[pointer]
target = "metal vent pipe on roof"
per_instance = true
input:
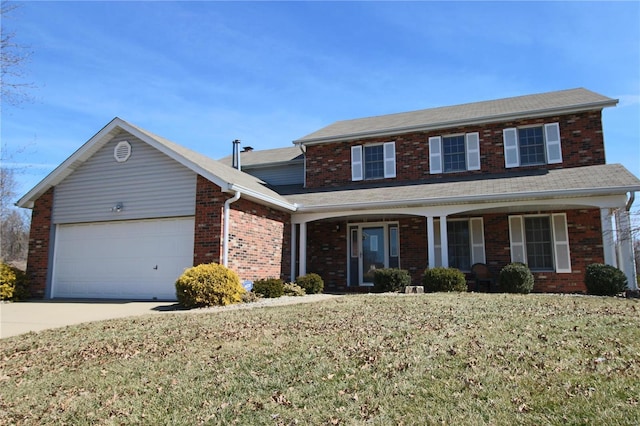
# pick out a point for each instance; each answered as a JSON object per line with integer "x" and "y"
{"x": 235, "y": 162}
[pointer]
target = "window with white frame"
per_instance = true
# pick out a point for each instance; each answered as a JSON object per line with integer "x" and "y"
{"x": 376, "y": 161}
{"x": 540, "y": 241}
{"x": 454, "y": 153}
{"x": 465, "y": 241}
{"x": 532, "y": 145}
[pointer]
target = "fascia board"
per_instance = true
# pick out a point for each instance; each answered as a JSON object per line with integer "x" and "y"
{"x": 454, "y": 123}
{"x": 469, "y": 199}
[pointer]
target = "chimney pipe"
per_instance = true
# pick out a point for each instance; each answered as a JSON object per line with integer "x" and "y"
{"x": 236, "y": 154}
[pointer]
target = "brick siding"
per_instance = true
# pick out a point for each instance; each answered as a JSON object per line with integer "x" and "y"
{"x": 207, "y": 241}
{"x": 39, "y": 245}
{"x": 329, "y": 165}
{"x": 259, "y": 241}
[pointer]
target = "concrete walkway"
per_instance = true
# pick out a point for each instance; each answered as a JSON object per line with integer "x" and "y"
{"x": 23, "y": 317}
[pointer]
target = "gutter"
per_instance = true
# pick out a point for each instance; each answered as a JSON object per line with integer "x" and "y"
{"x": 225, "y": 227}
{"x": 260, "y": 196}
{"x": 632, "y": 197}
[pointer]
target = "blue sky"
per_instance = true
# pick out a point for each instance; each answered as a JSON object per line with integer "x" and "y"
{"x": 204, "y": 73}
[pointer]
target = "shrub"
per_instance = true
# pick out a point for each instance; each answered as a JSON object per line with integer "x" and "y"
{"x": 444, "y": 279}
{"x": 208, "y": 284}
{"x": 311, "y": 283}
{"x": 390, "y": 279}
{"x": 293, "y": 289}
{"x": 250, "y": 297}
{"x": 516, "y": 278}
{"x": 13, "y": 283}
{"x": 604, "y": 280}
{"x": 269, "y": 287}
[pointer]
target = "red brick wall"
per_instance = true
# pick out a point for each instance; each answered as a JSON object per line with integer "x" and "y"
{"x": 207, "y": 245}
{"x": 39, "y": 242}
{"x": 259, "y": 241}
{"x": 413, "y": 247}
{"x": 329, "y": 165}
{"x": 327, "y": 252}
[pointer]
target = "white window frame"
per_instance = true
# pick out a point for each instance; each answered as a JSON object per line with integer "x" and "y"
{"x": 471, "y": 147}
{"x": 552, "y": 144}
{"x": 358, "y": 163}
{"x": 476, "y": 248}
{"x": 559, "y": 240}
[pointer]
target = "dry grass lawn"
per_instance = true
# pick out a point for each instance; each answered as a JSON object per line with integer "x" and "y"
{"x": 366, "y": 359}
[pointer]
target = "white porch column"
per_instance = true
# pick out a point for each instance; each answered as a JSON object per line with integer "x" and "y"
{"x": 608, "y": 244}
{"x": 294, "y": 249}
{"x": 431, "y": 243}
{"x": 303, "y": 249}
{"x": 626, "y": 261}
{"x": 444, "y": 243}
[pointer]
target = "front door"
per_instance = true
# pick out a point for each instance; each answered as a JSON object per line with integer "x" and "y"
{"x": 371, "y": 247}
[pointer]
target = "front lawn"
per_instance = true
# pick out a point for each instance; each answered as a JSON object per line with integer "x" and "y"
{"x": 375, "y": 359}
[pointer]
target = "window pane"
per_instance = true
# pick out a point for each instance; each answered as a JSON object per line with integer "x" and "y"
{"x": 539, "y": 244}
{"x": 373, "y": 162}
{"x": 531, "y": 142}
{"x": 459, "y": 246}
{"x": 454, "y": 154}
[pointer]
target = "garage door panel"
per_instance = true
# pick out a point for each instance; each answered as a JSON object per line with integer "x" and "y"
{"x": 128, "y": 260}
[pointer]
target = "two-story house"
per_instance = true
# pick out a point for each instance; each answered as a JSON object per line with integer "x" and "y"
{"x": 521, "y": 179}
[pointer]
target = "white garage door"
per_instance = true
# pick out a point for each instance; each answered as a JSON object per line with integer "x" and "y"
{"x": 122, "y": 260}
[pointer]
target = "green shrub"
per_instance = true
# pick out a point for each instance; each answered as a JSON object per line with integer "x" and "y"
{"x": 604, "y": 280}
{"x": 444, "y": 279}
{"x": 516, "y": 278}
{"x": 311, "y": 283}
{"x": 293, "y": 289}
{"x": 390, "y": 279}
{"x": 208, "y": 284}
{"x": 269, "y": 287}
{"x": 13, "y": 283}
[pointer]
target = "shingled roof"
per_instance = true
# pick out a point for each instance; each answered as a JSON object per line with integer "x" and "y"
{"x": 537, "y": 105}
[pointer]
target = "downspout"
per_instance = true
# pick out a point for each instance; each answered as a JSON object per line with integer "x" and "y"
{"x": 632, "y": 197}
{"x": 225, "y": 227}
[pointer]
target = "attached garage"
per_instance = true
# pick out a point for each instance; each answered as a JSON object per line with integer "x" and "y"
{"x": 138, "y": 259}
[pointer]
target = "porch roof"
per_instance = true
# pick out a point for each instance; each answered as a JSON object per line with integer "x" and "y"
{"x": 607, "y": 179}
{"x": 537, "y": 105}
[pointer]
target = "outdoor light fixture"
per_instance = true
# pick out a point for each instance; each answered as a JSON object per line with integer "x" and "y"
{"x": 117, "y": 208}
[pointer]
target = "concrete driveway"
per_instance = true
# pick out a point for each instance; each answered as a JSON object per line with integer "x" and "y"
{"x": 23, "y": 317}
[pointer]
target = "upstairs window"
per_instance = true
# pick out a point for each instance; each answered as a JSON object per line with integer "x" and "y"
{"x": 373, "y": 161}
{"x": 527, "y": 146}
{"x": 456, "y": 153}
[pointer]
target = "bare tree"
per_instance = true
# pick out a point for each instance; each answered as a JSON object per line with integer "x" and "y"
{"x": 14, "y": 224}
{"x": 13, "y": 58}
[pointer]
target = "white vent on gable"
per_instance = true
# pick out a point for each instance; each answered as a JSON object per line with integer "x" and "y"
{"x": 122, "y": 151}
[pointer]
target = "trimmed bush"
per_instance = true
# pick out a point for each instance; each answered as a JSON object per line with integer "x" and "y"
{"x": 269, "y": 287}
{"x": 516, "y": 278}
{"x": 604, "y": 280}
{"x": 13, "y": 283}
{"x": 208, "y": 284}
{"x": 293, "y": 289}
{"x": 311, "y": 283}
{"x": 390, "y": 280}
{"x": 444, "y": 279}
